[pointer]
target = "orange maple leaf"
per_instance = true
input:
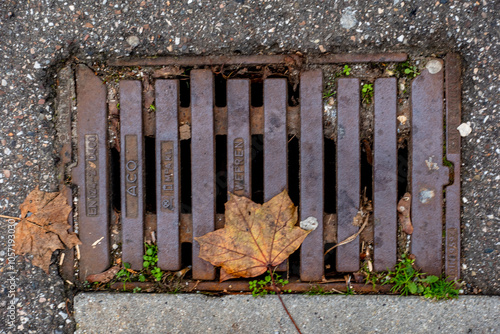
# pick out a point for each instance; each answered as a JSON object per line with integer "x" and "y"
{"x": 255, "y": 238}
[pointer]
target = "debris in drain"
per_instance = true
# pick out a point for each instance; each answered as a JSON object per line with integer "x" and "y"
{"x": 104, "y": 277}
{"x": 360, "y": 219}
{"x": 404, "y": 206}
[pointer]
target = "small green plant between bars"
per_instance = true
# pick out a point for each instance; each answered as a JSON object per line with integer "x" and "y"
{"x": 406, "y": 69}
{"x": 124, "y": 274}
{"x": 367, "y": 93}
{"x": 150, "y": 260}
{"x": 260, "y": 287}
{"x": 346, "y": 70}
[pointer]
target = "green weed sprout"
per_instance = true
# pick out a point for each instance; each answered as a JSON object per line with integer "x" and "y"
{"x": 259, "y": 287}
{"x": 150, "y": 260}
{"x": 367, "y": 93}
{"x": 347, "y": 70}
{"x": 409, "y": 281}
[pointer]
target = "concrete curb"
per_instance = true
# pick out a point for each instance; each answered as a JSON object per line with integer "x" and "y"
{"x": 191, "y": 313}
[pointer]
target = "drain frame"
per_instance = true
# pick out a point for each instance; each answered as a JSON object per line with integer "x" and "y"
{"x": 257, "y": 125}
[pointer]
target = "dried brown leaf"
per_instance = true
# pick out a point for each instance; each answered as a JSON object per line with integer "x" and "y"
{"x": 255, "y": 238}
{"x": 105, "y": 276}
{"x": 33, "y": 239}
{"x": 44, "y": 226}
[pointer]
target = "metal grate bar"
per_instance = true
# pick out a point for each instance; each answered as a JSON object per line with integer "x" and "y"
{"x": 167, "y": 174}
{"x": 260, "y": 59}
{"x": 92, "y": 173}
{"x": 275, "y": 138}
{"x": 132, "y": 173}
{"x": 453, "y": 120}
{"x": 239, "y": 157}
{"x": 385, "y": 175}
{"x": 348, "y": 172}
{"x": 202, "y": 165}
{"x": 311, "y": 173}
{"x": 428, "y": 174}
{"x": 275, "y": 141}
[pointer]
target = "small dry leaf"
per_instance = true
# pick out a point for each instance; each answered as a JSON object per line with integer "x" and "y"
{"x": 105, "y": 276}
{"x": 44, "y": 227}
{"x": 33, "y": 239}
{"x": 255, "y": 237}
{"x": 404, "y": 206}
{"x": 168, "y": 71}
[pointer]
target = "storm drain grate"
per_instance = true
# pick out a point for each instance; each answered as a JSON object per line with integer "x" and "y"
{"x": 187, "y": 139}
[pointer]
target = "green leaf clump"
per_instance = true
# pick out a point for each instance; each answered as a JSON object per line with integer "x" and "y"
{"x": 409, "y": 281}
{"x": 261, "y": 287}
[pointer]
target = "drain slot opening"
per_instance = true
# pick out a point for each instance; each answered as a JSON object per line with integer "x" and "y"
{"x": 366, "y": 169}
{"x": 115, "y": 178}
{"x": 184, "y": 93}
{"x": 220, "y": 91}
{"x": 330, "y": 176}
{"x": 185, "y": 153}
{"x": 220, "y": 173}
{"x": 258, "y": 168}
{"x": 150, "y": 175}
{"x": 294, "y": 169}
{"x": 402, "y": 170}
{"x": 257, "y": 94}
{"x": 293, "y": 94}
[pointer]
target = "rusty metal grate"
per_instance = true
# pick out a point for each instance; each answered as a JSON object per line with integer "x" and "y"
{"x": 186, "y": 139}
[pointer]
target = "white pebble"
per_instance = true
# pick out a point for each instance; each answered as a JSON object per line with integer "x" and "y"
{"x": 434, "y": 66}
{"x": 464, "y": 129}
{"x": 348, "y": 19}
{"x": 133, "y": 41}
{"x": 309, "y": 224}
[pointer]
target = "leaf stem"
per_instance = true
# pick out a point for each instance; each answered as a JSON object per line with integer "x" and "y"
{"x": 9, "y": 217}
{"x": 278, "y": 292}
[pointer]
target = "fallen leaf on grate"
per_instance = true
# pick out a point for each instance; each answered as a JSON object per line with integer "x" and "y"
{"x": 404, "y": 206}
{"x": 256, "y": 237}
{"x": 44, "y": 227}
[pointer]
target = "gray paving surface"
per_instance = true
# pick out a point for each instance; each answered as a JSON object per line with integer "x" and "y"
{"x": 39, "y": 36}
{"x": 139, "y": 313}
